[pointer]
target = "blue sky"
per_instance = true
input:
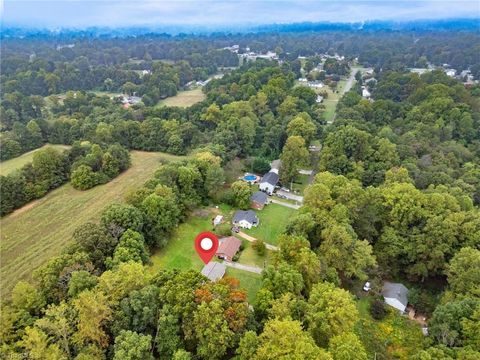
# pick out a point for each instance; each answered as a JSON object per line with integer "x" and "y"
{"x": 115, "y": 13}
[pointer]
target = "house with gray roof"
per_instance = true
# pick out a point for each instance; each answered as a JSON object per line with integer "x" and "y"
{"x": 269, "y": 181}
{"x": 245, "y": 219}
{"x": 258, "y": 200}
{"x": 214, "y": 271}
{"x": 396, "y": 295}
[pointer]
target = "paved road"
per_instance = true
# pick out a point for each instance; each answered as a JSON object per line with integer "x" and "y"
{"x": 235, "y": 265}
{"x": 290, "y": 196}
{"x": 350, "y": 80}
{"x": 252, "y": 239}
{"x": 289, "y": 205}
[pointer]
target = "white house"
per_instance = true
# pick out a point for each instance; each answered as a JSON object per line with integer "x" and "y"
{"x": 269, "y": 181}
{"x": 245, "y": 219}
{"x": 396, "y": 295}
{"x": 451, "y": 72}
{"x": 365, "y": 93}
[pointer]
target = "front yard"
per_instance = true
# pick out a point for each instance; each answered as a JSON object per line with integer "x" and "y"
{"x": 273, "y": 220}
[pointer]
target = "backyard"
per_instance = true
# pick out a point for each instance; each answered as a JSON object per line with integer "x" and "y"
{"x": 273, "y": 219}
{"x": 300, "y": 183}
{"x": 394, "y": 337}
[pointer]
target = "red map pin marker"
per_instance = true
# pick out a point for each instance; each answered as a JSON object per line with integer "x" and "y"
{"x": 206, "y": 245}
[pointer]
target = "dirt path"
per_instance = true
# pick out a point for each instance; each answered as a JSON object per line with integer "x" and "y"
{"x": 252, "y": 239}
{"x": 249, "y": 268}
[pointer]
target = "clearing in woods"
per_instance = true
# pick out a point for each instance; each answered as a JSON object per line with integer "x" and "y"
{"x": 184, "y": 98}
{"x": 40, "y": 230}
{"x": 7, "y": 166}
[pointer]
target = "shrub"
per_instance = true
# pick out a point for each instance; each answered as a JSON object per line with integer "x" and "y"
{"x": 377, "y": 309}
{"x": 84, "y": 178}
{"x": 260, "y": 247}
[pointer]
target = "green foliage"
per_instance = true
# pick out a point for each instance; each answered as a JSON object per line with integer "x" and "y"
{"x": 117, "y": 218}
{"x": 80, "y": 281}
{"x": 377, "y": 309}
{"x": 130, "y": 248}
{"x": 132, "y": 346}
{"x": 302, "y": 125}
{"x": 161, "y": 215}
{"x": 83, "y": 178}
{"x": 260, "y": 247}
{"x": 330, "y": 312}
{"x": 286, "y": 339}
{"x": 294, "y": 156}
{"x": 241, "y": 192}
{"x": 464, "y": 273}
{"x": 447, "y": 324}
{"x": 96, "y": 242}
{"x": 260, "y": 165}
{"x": 346, "y": 346}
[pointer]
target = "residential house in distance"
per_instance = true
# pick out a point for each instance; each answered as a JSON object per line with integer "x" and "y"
{"x": 365, "y": 93}
{"x": 258, "y": 200}
{"x": 396, "y": 295}
{"x": 245, "y": 219}
{"x": 228, "y": 247}
{"x": 214, "y": 271}
{"x": 451, "y": 72}
{"x": 319, "y": 99}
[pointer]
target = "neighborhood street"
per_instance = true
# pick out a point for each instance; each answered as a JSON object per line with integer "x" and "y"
{"x": 289, "y": 195}
{"x": 293, "y": 206}
{"x": 253, "y": 269}
{"x": 350, "y": 81}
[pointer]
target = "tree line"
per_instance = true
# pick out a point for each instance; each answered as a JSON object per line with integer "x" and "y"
{"x": 84, "y": 164}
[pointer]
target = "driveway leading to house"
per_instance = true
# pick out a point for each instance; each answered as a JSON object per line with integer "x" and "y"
{"x": 252, "y": 239}
{"x": 290, "y": 196}
{"x": 293, "y": 206}
{"x": 249, "y": 268}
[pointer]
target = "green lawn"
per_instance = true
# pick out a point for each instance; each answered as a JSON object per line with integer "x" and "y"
{"x": 7, "y": 166}
{"x": 180, "y": 253}
{"x": 300, "y": 183}
{"x": 394, "y": 337}
{"x": 248, "y": 281}
{"x": 184, "y": 98}
{"x": 250, "y": 257}
{"x": 273, "y": 219}
{"x": 40, "y": 230}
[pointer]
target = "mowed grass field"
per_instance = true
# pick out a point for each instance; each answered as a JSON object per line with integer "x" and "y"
{"x": 273, "y": 219}
{"x": 8, "y": 166}
{"x": 184, "y": 98}
{"x": 40, "y": 230}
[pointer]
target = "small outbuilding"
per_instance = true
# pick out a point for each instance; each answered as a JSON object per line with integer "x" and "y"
{"x": 214, "y": 271}
{"x": 228, "y": 247}
{"x": 245, "y": 219}
{"x": 396, "y": 295}
{"x": 217, "y": 220}
{"x": 258, "y": 200}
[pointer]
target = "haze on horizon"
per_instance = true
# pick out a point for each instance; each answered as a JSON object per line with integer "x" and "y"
{"x": 214, "y": 13}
